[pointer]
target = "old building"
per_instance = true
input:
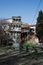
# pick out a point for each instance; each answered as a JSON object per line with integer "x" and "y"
{"x": 25, "y": 31}
{"x": 33, "y": 28}
{"x": 16, "y": 29}
{"x": 12, "y": 26}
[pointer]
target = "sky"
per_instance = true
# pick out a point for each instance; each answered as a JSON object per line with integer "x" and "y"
{"x": 27, "y": 9}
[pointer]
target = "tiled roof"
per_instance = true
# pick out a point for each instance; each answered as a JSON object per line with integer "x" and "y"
{"x": 25, "y": 25}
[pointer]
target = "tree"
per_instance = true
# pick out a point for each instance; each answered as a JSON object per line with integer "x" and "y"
{"x": 39, "y": 26}
{"x": 3, "y": 36}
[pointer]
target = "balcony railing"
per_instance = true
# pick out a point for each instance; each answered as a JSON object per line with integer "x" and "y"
{"x": 25, "y": 30}
{"x": 16, "y": 29}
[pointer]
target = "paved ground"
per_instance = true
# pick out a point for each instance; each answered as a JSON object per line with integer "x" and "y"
{"x": 23, "y": 61}
{"x": 24, "y": 58}
{"x": 12, "y": 57}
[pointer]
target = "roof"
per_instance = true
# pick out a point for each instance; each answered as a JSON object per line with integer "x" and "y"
{"x": 9, "y": 20}
{"x": 25, "y": 25}
{"x": 32, "y": 25}
{"x": 15, "y": 17}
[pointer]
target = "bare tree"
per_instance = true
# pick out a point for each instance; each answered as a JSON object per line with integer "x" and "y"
{"x": 3, "y": 36}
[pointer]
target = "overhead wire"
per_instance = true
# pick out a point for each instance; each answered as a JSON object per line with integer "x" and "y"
{"x": 36, "y": 10}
